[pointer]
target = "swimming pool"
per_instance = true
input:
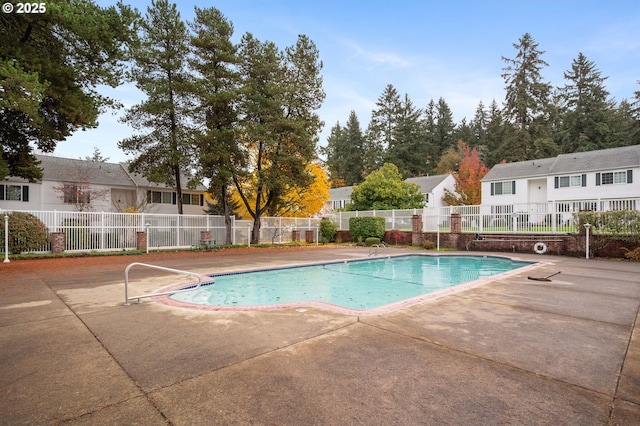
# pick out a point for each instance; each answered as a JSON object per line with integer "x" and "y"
{"x": 357, "y": 287}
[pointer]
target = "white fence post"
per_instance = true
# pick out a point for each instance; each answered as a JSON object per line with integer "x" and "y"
{"x": 102, "y": 229}
{"x": 6, "y": 238}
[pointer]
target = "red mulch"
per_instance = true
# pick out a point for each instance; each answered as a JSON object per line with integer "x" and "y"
{"x": 73, "y": 266}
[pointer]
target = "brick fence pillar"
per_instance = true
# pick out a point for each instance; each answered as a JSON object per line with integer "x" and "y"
{"x": 308, "y": 236}
{"x": 141, "y": 241}
{"x": 416, "y": 230}
{"x": 205, "y": 236}
{"x": 57, "y": 242}
{"x": 456, "y": 223}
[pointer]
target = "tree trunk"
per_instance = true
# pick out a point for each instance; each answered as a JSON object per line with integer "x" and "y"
{"x": 227, "y": 215}
{"x": 255, "y": 232}
{"x": 176, "y": 171}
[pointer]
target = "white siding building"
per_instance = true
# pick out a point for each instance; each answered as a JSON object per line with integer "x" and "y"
{"x": 432, "y": 187}
{"x": 609, "y": 174}
{"x": 72, "y": 185}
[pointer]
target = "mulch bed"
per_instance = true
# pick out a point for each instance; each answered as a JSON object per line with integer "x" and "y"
{"x": 82, "y": 264}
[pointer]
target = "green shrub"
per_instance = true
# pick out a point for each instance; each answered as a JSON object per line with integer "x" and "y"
{"x": 328, "y": 230}
{"x": 26, "y": 233}
{"x": 371, "y": 241}
{"x": 362, "y": 228}
{"x": 428, "y": 245}
{"x": 620, "y": 225}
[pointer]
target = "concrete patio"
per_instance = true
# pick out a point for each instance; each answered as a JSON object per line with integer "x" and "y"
{"x": 513, "y": 351}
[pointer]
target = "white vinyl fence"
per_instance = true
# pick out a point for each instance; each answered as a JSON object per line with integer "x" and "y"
{"x": 103, "y": 231}
{"x": 107, "y": 231}
{"x": 550, "y": 217}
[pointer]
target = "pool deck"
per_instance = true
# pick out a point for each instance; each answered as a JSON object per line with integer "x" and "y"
{"x": 511, "y": 351}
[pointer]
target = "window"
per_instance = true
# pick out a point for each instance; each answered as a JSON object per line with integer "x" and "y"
{"x": 570, "y": 181}
{"x": 161, "y": 197}
{"x": 167, "y": 197}
{"x": 14, "y": 193}
{"x": 193, "y": 199}
{"x": 614, "y": 178}
{"x": 339, "y": 204}
{"x": 503, "y": 188}
{"x": 75, "y": 195}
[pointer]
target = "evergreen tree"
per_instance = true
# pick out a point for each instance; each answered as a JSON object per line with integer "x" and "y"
{"x": 479, "y": 127}
{"x": 496, "y": 132}
{"x": 380, "y": 134}
{"x": 451, "y": 159}
{"x": 97, "y": 156}
{"x": 429, "y": 124}
{"x": 50, "y": 66}
{"x": 408, "y": 150}
{"x": 334, "y": 160}
{"x": 354, "y": 151}
{"x": 587, "y": 121}
{"x": 625, "y": 124}
{"x": 633, "y": 127}
{"x": 384, "y": 119}
{"x": 373, "y": 152}
{"x": 214, "y": 59}
{"x": 464, "y": 131}
{"x": 526, "y": 101}
{"x": 279, "y": 96}
{"x": 445, "y": 126}
{"x": 163, "y": 151}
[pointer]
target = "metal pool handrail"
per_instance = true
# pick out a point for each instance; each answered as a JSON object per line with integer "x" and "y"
{"x": 376, "y": 249}
{"x": 162, "y": 268}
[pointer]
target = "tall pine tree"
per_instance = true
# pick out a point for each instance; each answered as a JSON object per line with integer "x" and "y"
{"x": 526, "y": 101}
{"x": 588, "y": 118}
{"x": 346, "y": 153}
{"x": 380, "y": 133}
{"x": 633, "y": 128}
{"x": 163, "y": 151}
{"x": 408, "y": 149}
{"x": 216, "y": 88}
{"x": 280, "y": 95}
{"x": 439, "y": 130}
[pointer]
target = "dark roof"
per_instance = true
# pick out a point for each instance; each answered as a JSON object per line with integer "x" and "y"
{"x": 605, "y": 159}
{"x": 427, "y": 185}
{"x": 342, "y": 193}
{"x": 60, "y": 169}
{"x": 577, "y": 162}
{"x": 71, "y": 170}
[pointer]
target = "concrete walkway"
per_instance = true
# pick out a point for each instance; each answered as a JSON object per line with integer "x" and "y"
{"x": 513, "y": 351}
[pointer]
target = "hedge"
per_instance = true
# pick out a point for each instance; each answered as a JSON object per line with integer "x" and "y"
{"x": 362, "y": 228}
{"x": 26, "y": 233}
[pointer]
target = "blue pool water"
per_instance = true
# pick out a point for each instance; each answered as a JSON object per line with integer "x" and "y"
{"x": 359, "y": 285}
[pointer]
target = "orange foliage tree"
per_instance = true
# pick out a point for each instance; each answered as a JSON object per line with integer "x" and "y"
{"x": 296, "y": 201}
{"x": 468, "y": 177}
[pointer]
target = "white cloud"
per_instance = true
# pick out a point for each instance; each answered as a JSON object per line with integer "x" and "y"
{"x": 376, "y": 58}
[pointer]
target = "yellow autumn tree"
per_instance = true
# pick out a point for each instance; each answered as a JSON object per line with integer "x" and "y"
{"x": 296, "y": 201}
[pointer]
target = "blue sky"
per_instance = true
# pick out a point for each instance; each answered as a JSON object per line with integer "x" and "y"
{"x": 426, "y": 49}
